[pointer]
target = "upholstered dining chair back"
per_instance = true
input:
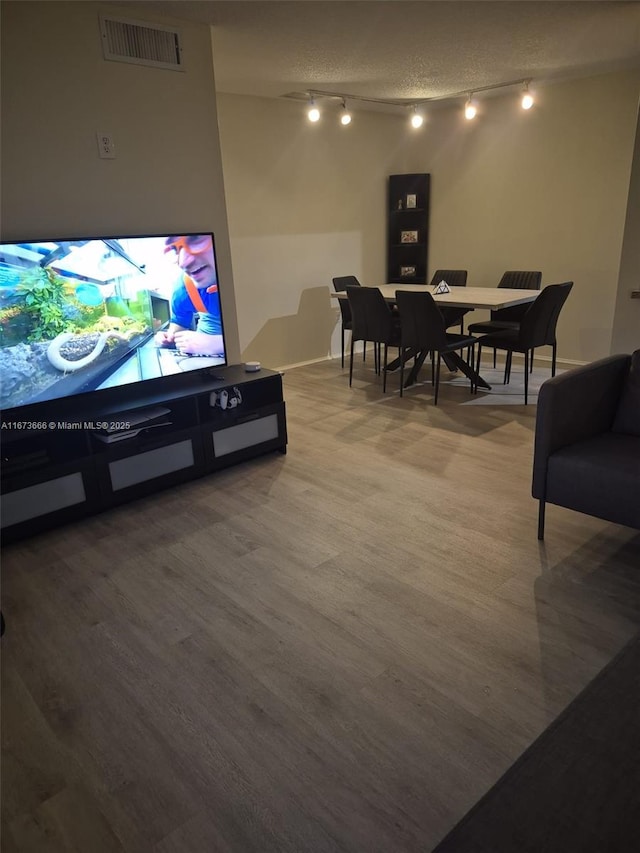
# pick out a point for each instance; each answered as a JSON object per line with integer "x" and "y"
{"x": 340, "y": 283}
{"x": 538, "y": 326}
{"x": 372, "y": 317}
{"x": 536, "y": 329}
{"x": 454, "y": 278}
{"x": 423, "y": 330}
{"x": 517, "y": 280}
{"x": 421, "y": 321}
{"x": 521, "y": 279}
{"x": 372, "y": 320}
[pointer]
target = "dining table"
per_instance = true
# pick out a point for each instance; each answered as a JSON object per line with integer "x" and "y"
{"x": 489, "y": 298}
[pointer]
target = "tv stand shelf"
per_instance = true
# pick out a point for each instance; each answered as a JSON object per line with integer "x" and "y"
{"x": 91, "y": 457}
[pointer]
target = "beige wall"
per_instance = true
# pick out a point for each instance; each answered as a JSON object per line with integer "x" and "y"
{"x": 57, "y": 91}
{"x": 305, "y": 203}
{"x": 626, "y": 326}
{"x": 542, "y": 190}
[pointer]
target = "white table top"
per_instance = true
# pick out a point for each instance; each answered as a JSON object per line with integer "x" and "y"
{"x": 462, "y": 297}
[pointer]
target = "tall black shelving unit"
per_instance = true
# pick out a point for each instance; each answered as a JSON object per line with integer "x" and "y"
{"x": 408, "y": 229}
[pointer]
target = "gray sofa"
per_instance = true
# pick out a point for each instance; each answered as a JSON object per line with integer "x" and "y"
{"x": 587, "y": 441}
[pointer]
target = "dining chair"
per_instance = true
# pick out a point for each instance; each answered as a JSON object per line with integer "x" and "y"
{"x": 454, "y": 278}
{"x": 509, "y": 318}
{"x": 340, "y": 283}
{"x": 536, "y": 329}
{"x": 423, "y": 330}
{"x": 372, "y": 320}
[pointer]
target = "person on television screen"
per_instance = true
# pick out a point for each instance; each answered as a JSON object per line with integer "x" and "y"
{"x": 195, "y": 296}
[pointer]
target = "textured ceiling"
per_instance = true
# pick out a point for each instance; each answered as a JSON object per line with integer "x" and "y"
{"x": 408, "y": 50}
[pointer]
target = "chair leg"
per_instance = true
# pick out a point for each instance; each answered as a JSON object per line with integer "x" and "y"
{"x": 364, "y": 350}
{"x": 384, "y": 370}
{"x": 541, "y": 507}
{"x": 507, "y": 367}
{"x": 553, "y": 359}
{"x": 477, "y": 374}
{"x": 402, "y": 351}
{"x": 494, "y": 359}
{"x": 435, "y": 402}
{"x": 478, "y": 357}
{"x": 342, "y": 349}
{"x": 531, "y": 365}
{"x": 526, "y": 377}
{"x": 351, "y": 363}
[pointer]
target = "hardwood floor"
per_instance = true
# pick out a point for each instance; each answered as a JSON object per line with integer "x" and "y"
{"x": 340, "y": 649}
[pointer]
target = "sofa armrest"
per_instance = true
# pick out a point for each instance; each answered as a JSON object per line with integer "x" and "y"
{"x": 574, "y": 406}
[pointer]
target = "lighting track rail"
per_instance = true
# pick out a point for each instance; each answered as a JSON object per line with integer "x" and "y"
{"x": 313, "y": 95}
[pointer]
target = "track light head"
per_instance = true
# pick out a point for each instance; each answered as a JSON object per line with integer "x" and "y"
{"x": 470, "y": 110}
{"x": 313, "y": 113}
{"x": 417, "y": 118}
{"x": 527, "y": 98}
{"x": 345, "y": 116}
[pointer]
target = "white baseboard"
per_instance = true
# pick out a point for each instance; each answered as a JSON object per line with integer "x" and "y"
{"x": 487, "y": 358}
{"x": 518, "y": 358}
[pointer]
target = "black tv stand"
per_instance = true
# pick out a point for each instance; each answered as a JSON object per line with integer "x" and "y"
{"x": 89, "y": 457}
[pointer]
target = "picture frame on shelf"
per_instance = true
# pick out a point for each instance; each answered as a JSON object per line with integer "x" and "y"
{"x": 407, "y": 272}
{"x": 408, "y": 236}
{"x": 412, "y": 201}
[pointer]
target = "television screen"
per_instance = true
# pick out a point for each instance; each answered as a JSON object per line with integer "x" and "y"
{"x": 90, "y": 314}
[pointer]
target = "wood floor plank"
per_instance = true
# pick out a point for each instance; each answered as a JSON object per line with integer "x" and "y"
{"x": 340, "y": 649}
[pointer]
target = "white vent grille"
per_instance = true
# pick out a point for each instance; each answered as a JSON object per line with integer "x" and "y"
{"x": 141, "y": 43}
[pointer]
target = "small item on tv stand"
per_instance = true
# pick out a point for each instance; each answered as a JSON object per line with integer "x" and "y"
{"x": 252, "y": 366}
{"x": 136, "y": 418}
{"x": 122, "y": 435}
{"x": 226, "y": 399}
{"x": 126, "y": 425}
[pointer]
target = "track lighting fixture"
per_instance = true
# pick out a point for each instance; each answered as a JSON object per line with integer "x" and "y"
{"x": 416, "y": 119}
{"x": 527, "y": 97}
{"x": 314, "y": 112}
{"x": 470, "y": 109}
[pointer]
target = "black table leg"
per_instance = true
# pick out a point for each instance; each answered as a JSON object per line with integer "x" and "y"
{"x": 468, "y": 371}
{"x": 395, "y": 363}
{"x": 413, "y": 373}
{"x": 446, "y": 357}
{"x": 453, "y": 360}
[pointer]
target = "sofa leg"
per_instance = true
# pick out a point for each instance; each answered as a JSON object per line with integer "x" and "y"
{"x": 541, "y": 520}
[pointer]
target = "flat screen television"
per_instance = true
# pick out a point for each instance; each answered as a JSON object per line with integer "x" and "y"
{"x": 97, "y": 314}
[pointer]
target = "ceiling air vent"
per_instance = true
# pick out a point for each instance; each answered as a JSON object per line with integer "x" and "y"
{"x": 141, "y": 43}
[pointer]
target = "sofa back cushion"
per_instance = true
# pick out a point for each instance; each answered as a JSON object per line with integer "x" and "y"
{"x": 627, "y": 419}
